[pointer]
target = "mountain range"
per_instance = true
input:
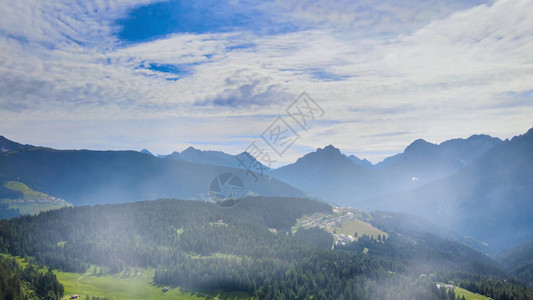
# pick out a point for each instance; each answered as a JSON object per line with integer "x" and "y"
{"x": 480, "y": 188}
{"x": 490, "y": 199}
{"x": 97, "y": 177}
{"x": 334, "y": 177}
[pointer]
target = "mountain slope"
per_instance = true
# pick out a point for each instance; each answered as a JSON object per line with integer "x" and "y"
{"x": 89, "y": 177}
{"x": 489, "y": 199}
{"x": 519, "y": 261}
{"x": 326, "y": 173}
{"x": 8, "y": 145}
{"x": 423, "y": 162}
{"x": 454, "y": 152}
{"x": 331, "y": 175}
{"x": 201, "y": 247}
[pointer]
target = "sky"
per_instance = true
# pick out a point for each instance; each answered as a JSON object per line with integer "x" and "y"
{"x": 216, "y": 75}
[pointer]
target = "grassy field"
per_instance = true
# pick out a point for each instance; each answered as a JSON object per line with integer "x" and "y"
{"x": 27, "y": 205}
{"x": 468, "y": 295}
{"x": 349, "y": 227}
{"x": 28, "y": 193}
{"x": 137, "y": 285}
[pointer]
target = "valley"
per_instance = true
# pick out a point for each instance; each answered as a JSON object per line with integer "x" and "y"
{"x": 141, "y": 248}
{"x": 266, "y": 150}
{"x": 277, "y": 241}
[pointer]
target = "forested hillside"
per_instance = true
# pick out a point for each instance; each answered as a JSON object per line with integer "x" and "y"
{"x": 519, "y": 261}
{"x": 248, "y": 248}
{"x": 17, "y": 283}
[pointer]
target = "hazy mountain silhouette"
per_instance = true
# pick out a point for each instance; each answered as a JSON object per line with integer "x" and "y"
{"x": 488, "y": 199}
{"x": 331, "y": 175}
{"x": 479, "y": 186}
{"x": 146, "y": 151}
{"x": 361, "y": 162}
{"x": 326, "y": 173}
{"x": 8, "y": 145}
{"x": 89, "y": 177}
{"x": 423, "y": 162}
{"x": 217, "y": 158}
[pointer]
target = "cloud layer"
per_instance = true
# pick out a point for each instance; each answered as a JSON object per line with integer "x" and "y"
{"x": 168, "y": 74}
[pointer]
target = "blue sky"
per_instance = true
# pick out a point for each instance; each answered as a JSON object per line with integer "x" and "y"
{"x": 165, "y": 75}
{"x": 156, "y": 20}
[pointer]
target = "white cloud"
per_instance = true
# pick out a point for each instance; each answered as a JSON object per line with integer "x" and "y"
{"x": 450, "y": 77}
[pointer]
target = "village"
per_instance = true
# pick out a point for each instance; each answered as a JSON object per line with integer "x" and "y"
{"x": 47, "y": 199}
{"x": 329, "y": 222}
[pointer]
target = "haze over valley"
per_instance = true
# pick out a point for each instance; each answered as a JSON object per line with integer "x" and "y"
{"x": 243, "y": 149}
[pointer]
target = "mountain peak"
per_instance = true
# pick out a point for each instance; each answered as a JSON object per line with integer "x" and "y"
{"x": 479, "y": 137}
{"x": 327, "y": 154}
{"x": 209, "y": 157}
{"x": 329, "y": 150}
{"x": 419, "y": 145}
{"x": 146, "y": 151}
{"x": 419, "y": 142}
{"x": 191, "y": 149}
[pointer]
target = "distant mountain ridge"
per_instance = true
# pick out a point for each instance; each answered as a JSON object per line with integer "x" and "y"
{"x": 480, "y": 186}
{"x": 217, "y": 158}
{"x": 447, "y": 156}
{"x": 90, "y": 177}
{"x": 488, "y": 199}
{"x": 146, "y": 151}
{"x": 335, "y": 177}
{"x": 423, "y": 162}
{"x": 8, "y": 145}
{"x": 361, "y": 162}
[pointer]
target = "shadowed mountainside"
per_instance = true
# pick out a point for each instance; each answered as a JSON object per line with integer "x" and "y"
{"x": 90, "y": 177}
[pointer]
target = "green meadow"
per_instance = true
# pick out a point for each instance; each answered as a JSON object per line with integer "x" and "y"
{"x": 349, "y": 227}
{"x": 27, "y": 205}
{"x": 137, "y": 284}
{"x": 468, "y": 295}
